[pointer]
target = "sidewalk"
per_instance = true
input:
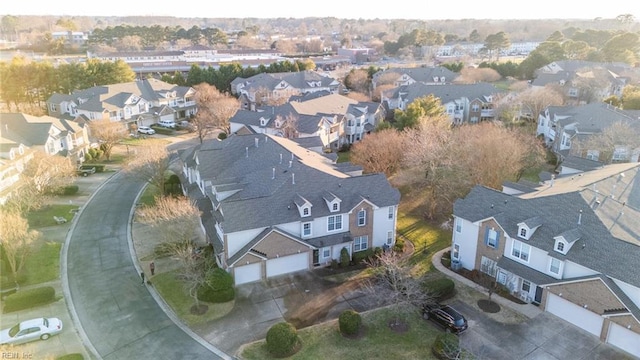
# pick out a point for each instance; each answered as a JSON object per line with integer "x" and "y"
{"x": 527, "y": 310}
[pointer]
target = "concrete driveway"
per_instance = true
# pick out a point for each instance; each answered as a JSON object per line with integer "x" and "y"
{"x": 544, "y": 337}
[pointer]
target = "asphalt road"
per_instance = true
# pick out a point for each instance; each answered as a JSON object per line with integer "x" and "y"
{"x": 117, "y": 315}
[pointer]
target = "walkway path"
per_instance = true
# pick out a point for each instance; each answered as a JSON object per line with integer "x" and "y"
{"x": 116, "y": 314}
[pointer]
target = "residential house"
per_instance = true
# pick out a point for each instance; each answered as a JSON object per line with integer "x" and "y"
{"x": 271, "y": 207}
{"x": 463, "y": 103}
{"x": 585, "y": 81}
{"x": 407, "y": 76}
{"x": 140, "y": 102}
{"x": 571, "y": 246}
{"x": 336, "y": 119}
{"x": 21, "y": 135}
{"x": 565, "y": 126}
{"x": 266, "y": 88}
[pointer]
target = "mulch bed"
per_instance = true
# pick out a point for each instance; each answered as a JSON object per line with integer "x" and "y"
{"x": 488, "y": 306}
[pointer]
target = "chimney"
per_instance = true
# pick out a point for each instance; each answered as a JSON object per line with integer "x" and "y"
{"x": 293, "y": 178}
{"x": 273, "y": 173}
{"x": 246, "y": 150}
{"x": 580, "y": 217}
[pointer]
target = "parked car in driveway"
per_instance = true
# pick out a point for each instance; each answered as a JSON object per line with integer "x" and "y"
{"x": 86, "y": 170}
{"x": 167, "y": 123}
{"x": 146, "y": 130}
{"x": 30, "y": 330}
{"x": 445, "y": 316}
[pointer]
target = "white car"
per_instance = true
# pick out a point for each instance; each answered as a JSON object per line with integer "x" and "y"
{"x": 167, "y": 123}
{"x": 146, "y": 130}
{"x": 30, "y": 330}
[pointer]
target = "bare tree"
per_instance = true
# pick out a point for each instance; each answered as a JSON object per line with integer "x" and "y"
{"x": 151, "y": 164}
{"x": 289, "y": 127}
{"x": 108, "y": 133}
{"x": 618, "y": 135}
{"x": 16, "y": 239}
{"x": 392, "y": 284}
{"x": 358, "y": 80}
{"x": 214, "y": 110}
{"x": 534, "y": 100}
{"x": 42, "y": 176}
{"x": 380, "y": 151}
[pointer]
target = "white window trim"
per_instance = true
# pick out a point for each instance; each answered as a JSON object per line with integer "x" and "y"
{"x": 360, "y": 241}
{"x": 310, "y": 229}
{"x": 551, "y": 266}
{"x": 392, "y": 212}
{"x": 324, "y": 255}
{"x": 389, "y": 237}
{"x": 458, "y": 225}
{"x": 335, "y": 228}
{"x": 456, "y": 252}
{"x": 362, "y": 221}
{"x": 495, "y": 239}
{"x": 520, "y": 247}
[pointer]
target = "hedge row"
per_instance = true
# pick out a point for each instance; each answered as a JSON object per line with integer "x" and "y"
{"x": 29, "y": 298}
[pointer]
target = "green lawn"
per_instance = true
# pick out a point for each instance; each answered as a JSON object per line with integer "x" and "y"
{"x": 343, "y": 156}
{"x": 172, "y": 291}
{"x": 378, "y": 342}
{"x": 44, "y": 216}
{"x": 148, "y": 197}
{"x": 43, "y": 264}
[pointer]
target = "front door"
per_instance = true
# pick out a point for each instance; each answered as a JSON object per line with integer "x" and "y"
{"x": 538, "y": 298}
{"x": 316, "y": 257}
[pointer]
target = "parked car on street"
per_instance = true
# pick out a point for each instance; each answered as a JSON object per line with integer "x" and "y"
{"x": 445, "y": 316}
{"x": 30, "y": 330}
{"x": 146, "y": 130}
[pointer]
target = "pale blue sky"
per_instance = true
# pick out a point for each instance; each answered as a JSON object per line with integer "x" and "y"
{"x": 460, "y": 9}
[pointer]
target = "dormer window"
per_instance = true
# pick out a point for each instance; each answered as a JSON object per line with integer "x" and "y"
{"x": 560, "y": 246}
{"x": 333, "y": 202}
{"x": 523, "y": 233}
{"x": 565, "y": 241}
{"x": 335, "y": 207}
{"x": 528, "y": 227}
{"x": 306, "y": 211}
{"x": 304, "y": 206}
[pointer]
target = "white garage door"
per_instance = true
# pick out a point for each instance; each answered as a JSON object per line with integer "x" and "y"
{"x": 574, "y": 314}
{"x": 625, "y": 339}
{"x": 248, "y": 273}
{"x": 287, "y": 264}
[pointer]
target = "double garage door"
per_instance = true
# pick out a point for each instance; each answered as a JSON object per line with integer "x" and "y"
{"x": 279, "y": 266}
{"x": 575, "y": 314}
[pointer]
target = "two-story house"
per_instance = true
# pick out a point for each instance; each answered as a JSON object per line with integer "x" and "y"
{"x": 585, "y": 81}
{"x": 563, "y": 126}
{"x": 266, "y": 88}
{"x": 571, "y": 246}
{"x": 140, "y": 102}
{"x": 463, "y": 103}
{"x": 271, "y": 207}
{"x": 430, "y": 75}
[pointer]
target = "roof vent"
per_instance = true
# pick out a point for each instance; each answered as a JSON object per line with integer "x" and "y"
{"x": 293, "y": 178}
{"x": 290, "y": 163}
{"x": 256, "y": 141}
{"x": 580, "y": 217}
{"x": 273, "y": 173}
{"x": 246, "y": 150}
{"x": 280, "y": 158}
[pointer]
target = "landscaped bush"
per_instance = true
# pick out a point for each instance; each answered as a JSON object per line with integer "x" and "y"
{"x": 345, "y": 259}
{"x": 361, "y": 256}
{"x": 441, "y": 289}
{"x": 350, "y": 322}
{"x": 282, "y": 339}
{"x": 222, "y": 136}
{"x": 446, "y": 346}
{"x": 70, "y": 190}
{"x": 162, "y": 130}
{"x": 26, "y": 299}
{"x": 218, "y": 288}
{"x": 399, "y": 246}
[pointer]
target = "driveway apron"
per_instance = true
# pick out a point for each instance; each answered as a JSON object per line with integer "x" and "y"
{"x": 117, "y": 313}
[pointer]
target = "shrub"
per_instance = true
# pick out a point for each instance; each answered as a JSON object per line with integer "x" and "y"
{"x": 350, "y": 322}
{"x": 282, "y": 339}
{"x": 441, "y": 289}
{"x": 345, "y": 259}
{"x": 26, "y": 299}
{"x": 399, "y": 245}
{"x": 222, "y": 135}
{"x": 88, "y": 157}
{"x": 69, "y": 190}
{"x": 218, "y": 288}
{"x": 361, "y": 256}
{"x": 446, "y": 346}
{"x": 334, "y": 264}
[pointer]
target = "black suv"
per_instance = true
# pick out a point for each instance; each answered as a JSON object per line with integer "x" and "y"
{"x": 446, "y": 316}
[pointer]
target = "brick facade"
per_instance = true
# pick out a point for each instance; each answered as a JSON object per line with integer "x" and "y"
{"x": 487, "y": 251}
{"x": 367, "y": 229}
{"x": 277, "y": 245}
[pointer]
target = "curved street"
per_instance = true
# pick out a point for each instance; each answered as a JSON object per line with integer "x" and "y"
{"x": 116, "y": 314}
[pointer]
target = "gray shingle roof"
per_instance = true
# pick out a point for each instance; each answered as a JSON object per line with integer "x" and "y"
{"x": 263, "y": 200}
{"x": 559, "y": 213}
{"x": 593, "y": 117}
{"x": 447, "y": 92}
